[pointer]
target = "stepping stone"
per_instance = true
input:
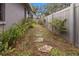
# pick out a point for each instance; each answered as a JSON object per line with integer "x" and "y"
{"x": 40, "y": 30}
{"x": 38, "y": 35}
{"x": 45, "y": 48}
{"x": 39, "y": 39}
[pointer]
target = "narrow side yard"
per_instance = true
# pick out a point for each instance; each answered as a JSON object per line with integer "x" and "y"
{"x": 38, "y": 41}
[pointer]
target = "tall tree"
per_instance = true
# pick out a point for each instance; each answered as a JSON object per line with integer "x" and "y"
{"x": 53, "y": 7}
{"x": 34, "y": 9}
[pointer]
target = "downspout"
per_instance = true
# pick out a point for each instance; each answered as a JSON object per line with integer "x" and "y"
{"x": 3, "y": 18}
{"x": 25, "y": 13}
{"x": 74, "y": 25}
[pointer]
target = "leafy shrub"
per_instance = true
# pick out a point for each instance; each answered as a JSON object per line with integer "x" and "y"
{"x": 40, "y": 22}
{"x": 55, "y": 52}
{"x": 72, "y": 53}
{"x": 9, "y": 37}
{"x": 59, "y": 25}
{"x": 58, "y": 52}
{"x": 7, "y": 52}
{"x": 26, "y": 53}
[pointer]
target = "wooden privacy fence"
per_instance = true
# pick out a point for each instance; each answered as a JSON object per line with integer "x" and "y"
{"x": 71, "y": 14}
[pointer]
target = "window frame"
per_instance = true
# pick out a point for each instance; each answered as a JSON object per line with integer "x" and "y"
{"x": 2, "y": 22}
{"x": 2, "y": 12}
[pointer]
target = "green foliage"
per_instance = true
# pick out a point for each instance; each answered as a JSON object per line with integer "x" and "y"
{"x": 25, "y": 53}
{"x": 58, "y": 52}
{"x": 40, "y": 22}
{"x": 59, "y": 25}
{"x": 10, "y": 36}
{"x": 31, "y": 23}
{"x": 55, "y": 52}
{"x": 54, "y": 7}
{"x": 7, "y": 52}
{"x": 72, "y": 53}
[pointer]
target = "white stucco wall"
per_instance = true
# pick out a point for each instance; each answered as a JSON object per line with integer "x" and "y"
{"x": 13, "y": 14}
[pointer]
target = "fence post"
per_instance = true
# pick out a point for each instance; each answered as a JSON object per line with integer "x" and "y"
{"x": 76, "y": 26}
{"x": 71, "y": 24}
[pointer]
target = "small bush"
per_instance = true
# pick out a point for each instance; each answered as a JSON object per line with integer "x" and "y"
{"x": 55, "y": 52}
{"x": 59, "y": 25}
{"x": 72, "y": 53}
{"x": 40, "y": 22}
{"x": 8, "y": 38}
{"x": 7, "y": 52}
{"x": 26, "y": 53}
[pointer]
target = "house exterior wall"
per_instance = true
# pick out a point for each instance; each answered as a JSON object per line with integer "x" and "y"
{"x": 14, "y": 13}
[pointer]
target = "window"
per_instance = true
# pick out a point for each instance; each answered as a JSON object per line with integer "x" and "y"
{"x": 1, "y": 11}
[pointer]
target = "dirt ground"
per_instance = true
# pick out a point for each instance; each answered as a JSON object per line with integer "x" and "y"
{"x": 28, "y": 46}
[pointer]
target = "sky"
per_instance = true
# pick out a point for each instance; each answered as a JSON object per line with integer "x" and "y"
{"x": 40, "y": 6}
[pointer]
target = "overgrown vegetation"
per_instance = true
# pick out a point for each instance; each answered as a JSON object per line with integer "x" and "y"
{"x": 26, "y": 53}
{"x": 9, "y": 37}
{"x": 40, "y": 22}
{"x": 56, "y": 52}
{"x": 54, "y": 7}
{"x": 71, "y": 53}
{"x": 59, "y": 25}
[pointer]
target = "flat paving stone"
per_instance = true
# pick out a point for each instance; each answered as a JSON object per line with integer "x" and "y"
{"x": 45, "y": 48}
{"x": 38, "y": 35}
{"x": 40, "y": 30}
{"x": 40, "y": 39}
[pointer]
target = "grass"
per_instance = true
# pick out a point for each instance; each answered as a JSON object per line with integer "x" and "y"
{"x": 9, "y": 37}
{"x": 71, "y": 53}
{"x": 24, "y": 53}
{"x": 27, "y": 47}
{"x": 56, "y": 52}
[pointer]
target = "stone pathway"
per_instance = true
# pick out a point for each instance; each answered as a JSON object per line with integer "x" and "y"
{"x": 39, "y": 39}
{"x": 45, "y": 48}
{"x": 40, "y": 42}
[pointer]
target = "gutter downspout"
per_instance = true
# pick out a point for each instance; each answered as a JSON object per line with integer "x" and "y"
{"x": 74, "y": 25}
